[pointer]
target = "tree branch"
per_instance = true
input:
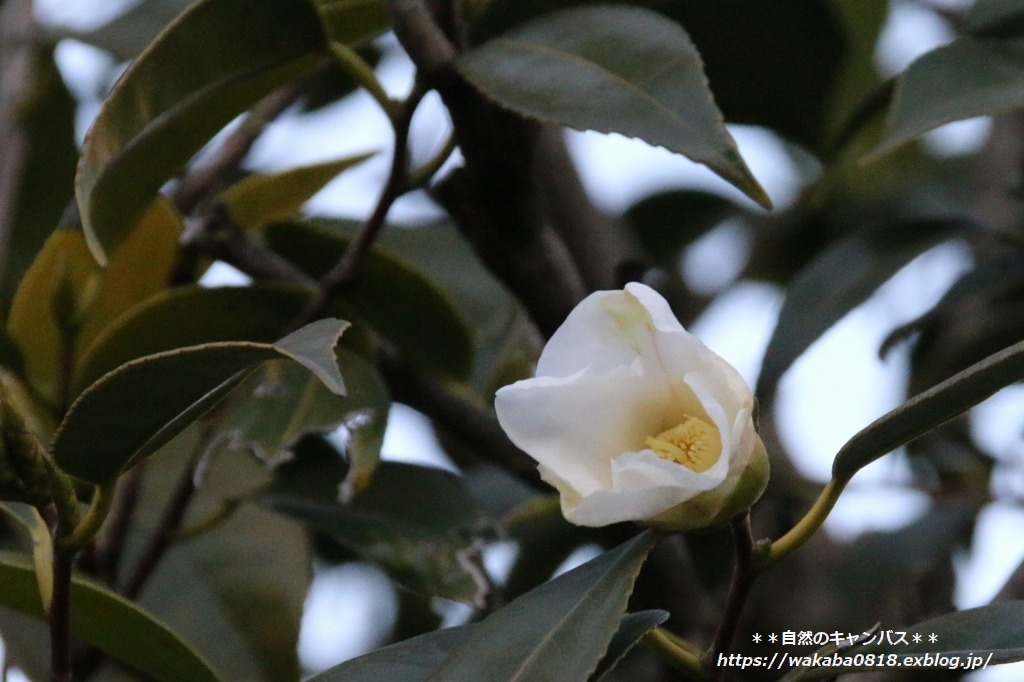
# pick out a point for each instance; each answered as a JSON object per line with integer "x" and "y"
{"x": 17, "y": 67}
{"x": 496, "y": 198}
{"x": 476, "y": 428}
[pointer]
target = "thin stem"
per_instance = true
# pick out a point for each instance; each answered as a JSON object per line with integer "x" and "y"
{"x": 805, "y": 528}
{"x": 163, "y": 536}
{"x": 742, "y": 580}
{"x": 110, "y": 550}
{"x": 422, "y": 175}
{"x": 223, "y": 513}
{"x": 60, "y": 618}
{"x": 90, "y": 524}
{"x": 347, "y": 269}
{"x": 357, "y": 67}
{"x": 197, "y": 184}
{"x": 674, "y": 651}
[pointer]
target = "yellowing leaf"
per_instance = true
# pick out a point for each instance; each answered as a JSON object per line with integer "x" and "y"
{"x": 140, "y": 268}
{"x": 63, "y": 267}
{"x": 262, "y": 198}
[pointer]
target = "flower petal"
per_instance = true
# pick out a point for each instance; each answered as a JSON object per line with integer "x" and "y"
{"x": 577, "y": 425}
{"x": 607, "y": 329}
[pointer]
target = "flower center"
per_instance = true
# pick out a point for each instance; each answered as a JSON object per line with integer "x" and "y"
{"x": 694, "y": 443}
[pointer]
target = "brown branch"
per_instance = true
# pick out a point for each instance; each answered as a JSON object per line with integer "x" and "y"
{"x": 195, "y": 187}
{"x": 219, "y": 236}
{"x": 496, "y": 199}
{"x": 601, "y": 248}
{"x": 421, "y": 37}
{"x": 473, "y": 427}
{"x": 17, "y": 69}
{"x": 742, "y": 580}
{"x": 346, "y": 270}
{"x": 60, "y": 618}
{"x": 163, "y": 536}
{"x": 110, "y": 550}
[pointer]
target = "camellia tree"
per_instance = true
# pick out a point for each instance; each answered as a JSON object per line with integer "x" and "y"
{"x": 165, "y": 473}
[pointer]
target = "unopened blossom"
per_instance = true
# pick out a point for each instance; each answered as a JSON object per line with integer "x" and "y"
{"x": 632, "y": 418}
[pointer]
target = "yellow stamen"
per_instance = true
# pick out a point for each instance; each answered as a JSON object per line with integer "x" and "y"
{"x": 694, "y": 443}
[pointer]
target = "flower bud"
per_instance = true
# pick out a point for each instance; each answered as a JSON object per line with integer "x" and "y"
{"x": 632, "y": 418}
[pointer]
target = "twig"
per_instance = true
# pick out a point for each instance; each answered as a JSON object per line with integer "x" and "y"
{"x": 60, "y": 617}
{"x": 347, "y": 269}
{"x": 597, "y": 242}
{"x": 474, "y": 427}
{"x": 164, "y": 534}
{"x": 111, "y": 549}
{"x": 496, "y": 198}
{"x": 743, "y": 577}
{"x": 422, "y": 38}
{"x": 220, "y": 237}
{"x": 17, "y": 66}
{"x": 196, "y": 185}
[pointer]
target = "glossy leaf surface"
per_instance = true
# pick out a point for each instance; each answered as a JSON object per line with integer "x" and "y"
{"x": 972, "y": 76}
{"x": 632, "y": 629}
{"x": 261, "y": 198}
{"x": 559, "y": 631}
{"x": 989, "y": 634}
{"x": 138, "y": 407}
{"x": 590, "y": 68}
{"x": 190, "y": 316}
{"x": 354, "y": 21}
{"x": 929, "y": 409}
{"x": 111, "y": 623}
{"x": 410, "y": 661}
{"x": 215, "y": 61}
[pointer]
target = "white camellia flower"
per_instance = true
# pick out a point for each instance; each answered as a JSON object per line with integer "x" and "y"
{"x": 632, "y": 418}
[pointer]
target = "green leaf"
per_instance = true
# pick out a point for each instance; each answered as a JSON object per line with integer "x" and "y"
{"x": 287, "y": 404}
{"x": 236, "y": 591}
{"x": 141, "y": 267}
{"x": 129, "y": 33}
{"x": 632, "y": 628}
{"x": 138, "y": 407}
{"x": 111, "y": 623}
{"x": 972, "y": 76}
{"x": 354, "y": 21}
{"x": 505, "y": 341}
{"x": 929, "y": 409}
{"x": 990, "y": 635}
{"x": 46, "y": 120}
{"x": 190, "y": 316}
{"x": 840, "y": 279}
{"x": 417, "y": 523}
{"x": 216, "y": 60}
{"x": 261, "y": 198}
{"x": 408, "y": 661}
{"x": 390, "y": 296}
{"x": 42, "y": 547}
{"x": 558, "y": 631}
{"x": 38, "y": 323}
{"x": 613, "y": 69}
